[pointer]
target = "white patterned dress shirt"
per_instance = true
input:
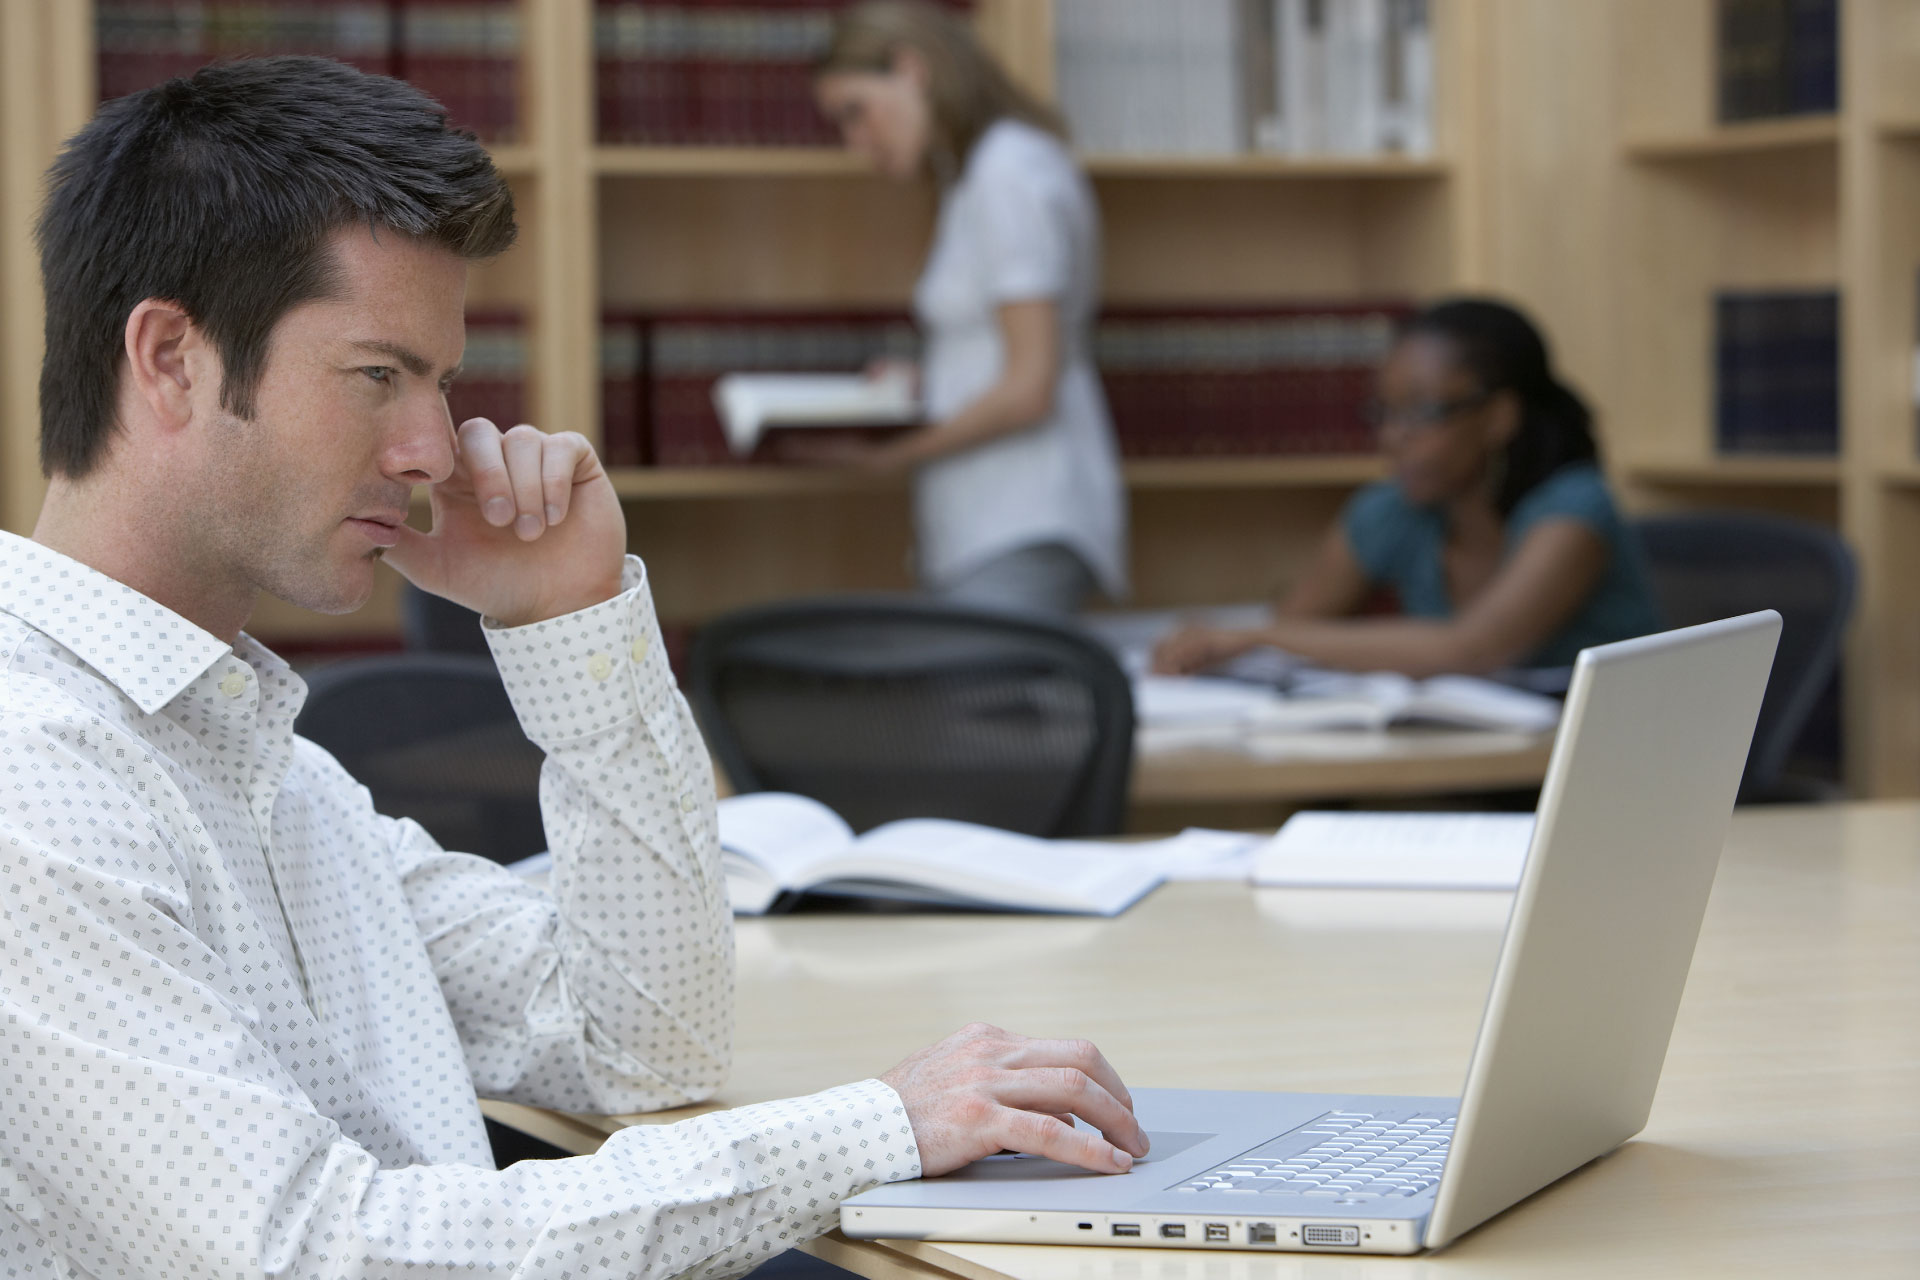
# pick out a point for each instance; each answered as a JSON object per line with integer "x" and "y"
{"x": 245, "y": 1017}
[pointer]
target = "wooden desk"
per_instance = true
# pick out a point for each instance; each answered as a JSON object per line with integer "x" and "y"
{"x": 1785, "y": 1139}
{"x": 1310, "y": 766}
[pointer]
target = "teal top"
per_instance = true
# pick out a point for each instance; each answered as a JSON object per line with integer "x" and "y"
{"x": 1399, "y": 546}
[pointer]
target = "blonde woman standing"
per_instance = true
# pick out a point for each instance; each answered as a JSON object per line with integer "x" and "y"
{"x": 1018, "y": 495}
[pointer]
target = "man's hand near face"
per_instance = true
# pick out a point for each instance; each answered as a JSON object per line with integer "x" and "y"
{"x": 527, "y": 527}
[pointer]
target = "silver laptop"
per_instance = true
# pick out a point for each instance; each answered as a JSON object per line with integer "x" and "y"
{"x": 1631, "y": 819}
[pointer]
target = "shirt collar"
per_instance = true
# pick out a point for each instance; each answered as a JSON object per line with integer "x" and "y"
{"x": 144, "y": 649}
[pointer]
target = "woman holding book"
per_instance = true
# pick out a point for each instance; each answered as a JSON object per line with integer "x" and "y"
{"x": 1496, "y": 534}
{"x": 1018, "y": 498}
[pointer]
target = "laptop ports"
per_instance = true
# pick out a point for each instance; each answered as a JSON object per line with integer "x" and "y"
{"x": 1217, "y": 1233}
{"x": 1173, "y": 1231}
{"x": 1126, "y": 1228}
{"x": 1263, "y": 1233}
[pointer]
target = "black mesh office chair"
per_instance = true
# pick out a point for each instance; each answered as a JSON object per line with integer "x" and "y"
{"x": 434, "y": 624}
{"x": 895, "y": 707}
{"x": 1717, "y": 564}
{"x": 435, "y": 739}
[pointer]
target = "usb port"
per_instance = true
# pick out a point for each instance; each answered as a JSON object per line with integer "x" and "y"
{"x": 1126, "y": 1228}
{"x": 1262, "y": 1233}
{"x": 1173, "y": 1231}
{"x": 1217, "y": 1232}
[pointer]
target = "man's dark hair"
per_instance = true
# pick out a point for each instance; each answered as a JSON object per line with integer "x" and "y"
{"x": 217, "y": 192}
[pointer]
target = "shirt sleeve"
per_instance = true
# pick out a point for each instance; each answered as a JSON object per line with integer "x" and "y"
{"x": 1375, "y": 521}
{"x": 1572, "y": 493}
{"x": 1024, "y": 218}
{"x": 153, "y": 1131}
{"x": 612, "y": 990}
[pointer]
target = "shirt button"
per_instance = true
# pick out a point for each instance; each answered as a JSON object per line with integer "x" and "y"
{"x": 640, "y": 649}
{"x": 233, "y": 684}
{"x": 599, "y": 666}
{"x": 688, "y": 803}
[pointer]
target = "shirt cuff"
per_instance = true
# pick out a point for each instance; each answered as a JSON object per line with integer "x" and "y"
{"x": 586, "y": 672}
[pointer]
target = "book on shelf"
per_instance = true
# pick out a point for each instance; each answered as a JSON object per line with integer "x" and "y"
{"x": 493, "y": 372}
{"x": 717, "y": 73}
{"x": 1777, "y": 371}
{"x": 1225, "y": 77}
{"x": 751, "y": 405}
{"x": 1229, "y": 381}
{"x": 1243, "y": 381}
{"x": 1343, "y": 850}
{"x": 686, "y": 353}
{"x": 1777, "y": 58}
{"x": 464, "y": 53}
{"x": 776, "y": 847}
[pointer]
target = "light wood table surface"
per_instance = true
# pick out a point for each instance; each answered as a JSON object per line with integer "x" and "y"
{"x": 1330, "y": 765}
{"x": 1784, "y": 1141}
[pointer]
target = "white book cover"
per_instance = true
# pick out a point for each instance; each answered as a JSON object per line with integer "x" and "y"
{"x": 749, "y": 403}
{"x": 1355, "y": 43}
{"x": 774, "y": 844}
{"x": 1301, "y": 31}
{"x": 1396, "y": 851}
{"x": 1210, "y": 77}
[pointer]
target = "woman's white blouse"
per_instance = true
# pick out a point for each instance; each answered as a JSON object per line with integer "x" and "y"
{"x": 1020, "y": 225}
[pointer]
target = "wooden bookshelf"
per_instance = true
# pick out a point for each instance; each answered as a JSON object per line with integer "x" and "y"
{"x": 1817, "y": 132}
{"x": 1580, "y": 171}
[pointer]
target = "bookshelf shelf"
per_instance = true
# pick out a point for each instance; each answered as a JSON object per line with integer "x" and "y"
{"x": 1800, "y": 133}
{"x": 1166, "y": 474}
{"x": 1307, "y": 168}
{"x": 726, "y": 162}
{"x": 1756, "y": 471}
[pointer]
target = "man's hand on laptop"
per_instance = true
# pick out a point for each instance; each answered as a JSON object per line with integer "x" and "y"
{"x": 983, "y": 1090}
{"x": 527, "y": 527}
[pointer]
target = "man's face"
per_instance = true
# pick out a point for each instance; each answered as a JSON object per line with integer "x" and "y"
{"x": 350, "y": 414}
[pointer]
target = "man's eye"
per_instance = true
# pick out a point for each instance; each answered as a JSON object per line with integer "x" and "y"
{"x": 378, "y": 372}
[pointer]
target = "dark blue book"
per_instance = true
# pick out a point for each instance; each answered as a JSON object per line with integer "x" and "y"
{"x": 1777, "y": 371}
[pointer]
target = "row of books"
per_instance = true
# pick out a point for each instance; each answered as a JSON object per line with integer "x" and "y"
{"x": 465, "y": 53}
{"x": 713, "y": 72}
{"x": 1777, "y": 371}
{"x": 1187, "y": 382}
{"x": 1778, "y": 57}
{"x": 1220, "y": 77}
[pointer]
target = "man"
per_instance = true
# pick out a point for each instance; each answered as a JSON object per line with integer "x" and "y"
{"x": 245, "y": 1016}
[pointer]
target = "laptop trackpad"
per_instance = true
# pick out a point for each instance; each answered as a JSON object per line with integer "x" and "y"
{"x": 1009, "y": 1167}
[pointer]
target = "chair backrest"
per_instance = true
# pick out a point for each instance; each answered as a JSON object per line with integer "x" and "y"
{"x": 1716, "y": 564}
{"x": 434, "y": 624}
{"x": 434, "y": 738}
{"x": 897, "y": 707}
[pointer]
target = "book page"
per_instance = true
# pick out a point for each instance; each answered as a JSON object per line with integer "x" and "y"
{"x": 934, "y": 859}
{"x": 1397, "y": 851}
{"x": 1485, "y": 704}
{"x": 780, "y": 833}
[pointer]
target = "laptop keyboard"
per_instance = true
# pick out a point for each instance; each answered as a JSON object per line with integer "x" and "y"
{"x": 1358, "y": 1157}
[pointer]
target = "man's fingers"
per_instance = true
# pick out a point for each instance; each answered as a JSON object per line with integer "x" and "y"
{"x": 1033, "y": 1133}
{"x": 523, "y": 447}
{"x": 1082, "y": 1055}
{"x": 481, "y": 455}
{"x": 559, "y": 468}
{"x": 1064, "y": 1089}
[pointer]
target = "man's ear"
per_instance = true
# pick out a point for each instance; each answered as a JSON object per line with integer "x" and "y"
{"x": 165, "y": 353}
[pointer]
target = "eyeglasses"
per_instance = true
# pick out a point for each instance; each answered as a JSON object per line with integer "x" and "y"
{"x": 1422, "y": 416}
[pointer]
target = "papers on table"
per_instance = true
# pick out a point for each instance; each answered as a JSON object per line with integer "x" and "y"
{"x": 1396, "y": 851}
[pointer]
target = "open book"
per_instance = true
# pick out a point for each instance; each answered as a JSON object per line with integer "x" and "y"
{"x": 1333, "y": 700}
{"x": 775, "y": 847}
{"x": 750, "y": 403}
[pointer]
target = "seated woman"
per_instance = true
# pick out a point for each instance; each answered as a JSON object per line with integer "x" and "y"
{"x": 1496, "y": 532}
